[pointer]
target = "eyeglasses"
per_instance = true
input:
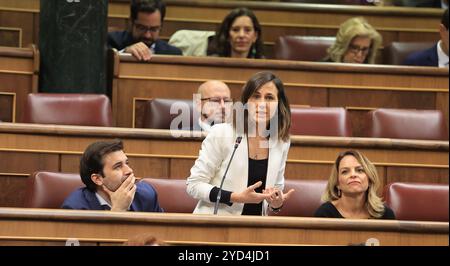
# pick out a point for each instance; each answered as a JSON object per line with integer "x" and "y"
{"x": 143, "y": 29}
{"x": 356, "y": 49}
{"x": 218, "y": 100}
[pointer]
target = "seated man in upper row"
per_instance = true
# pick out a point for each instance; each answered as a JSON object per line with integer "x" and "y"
{"x": 436, "y": 56}
{"x": 142, "y": 39}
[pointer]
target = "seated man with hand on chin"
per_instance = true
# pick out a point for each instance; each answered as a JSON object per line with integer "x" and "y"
{"x": 110, "y": 182}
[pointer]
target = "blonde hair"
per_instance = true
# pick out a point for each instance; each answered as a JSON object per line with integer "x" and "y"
{"x": 354, "y": 27}
{"x": 374, "y": 204}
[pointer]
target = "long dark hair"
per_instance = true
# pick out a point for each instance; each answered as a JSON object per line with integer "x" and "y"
{"x": 220, "y": 44}
{"x": 284, "y": 112}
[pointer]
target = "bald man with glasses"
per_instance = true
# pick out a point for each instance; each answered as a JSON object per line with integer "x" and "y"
{"x": 142, "y": 39}
{"x": 214, "y": 104}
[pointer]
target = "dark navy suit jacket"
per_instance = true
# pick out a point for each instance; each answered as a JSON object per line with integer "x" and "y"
{"x": 122, "y": 39}
{"x": 145, "y": 200}
{"x": 428, "y": 57}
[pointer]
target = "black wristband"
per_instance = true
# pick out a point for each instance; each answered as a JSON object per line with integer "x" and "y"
{"x": 275, "y": 210}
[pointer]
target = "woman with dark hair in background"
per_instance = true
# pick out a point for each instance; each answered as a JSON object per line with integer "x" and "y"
{"x": 239, "y": 36}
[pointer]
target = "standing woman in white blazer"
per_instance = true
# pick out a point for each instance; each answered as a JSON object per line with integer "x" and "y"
{"x": 255, "y": 178}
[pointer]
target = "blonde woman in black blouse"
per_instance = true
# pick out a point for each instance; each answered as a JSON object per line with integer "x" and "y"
{"x": 352, "y": 188}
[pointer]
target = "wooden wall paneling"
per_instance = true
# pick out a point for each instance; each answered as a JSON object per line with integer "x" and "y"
{"x": 7, "y": 107}
{"x": 42, "y": 242}
{"x": 25, "y": 148}
{"x": 18, "y": 84}
{"x": 417, "y": 174}
{"x": 180, "y": 168}
{"x": 11, "y": 37}
{"x": 358, "y": 120}
{"x": 442, "y": 104}
{"x": 70, "y": 163}
{"x": 399, "y": 156}
{"x": 204, "y": 229}
{"x": 14, "y": 189}
{"x": 26, "y": 162}
{"x": 22, "y": 21}
{"x": 139, "y": 111}
{"x": 142, "y": 165}
{"x": 306, "y": 83}
{"x": 145, "y": 166}
{"x": 19, "y": 69}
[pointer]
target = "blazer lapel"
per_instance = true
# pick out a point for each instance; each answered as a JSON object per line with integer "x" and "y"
{"x": 433, "y": 57}
{"x": 272, "y": 162}
{"x": 241, "y": 161}
{"x": 92, "y": 200}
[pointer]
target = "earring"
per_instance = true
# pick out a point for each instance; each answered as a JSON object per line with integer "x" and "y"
{"x": 339, "y": 193}
{"x": 253, "y": 51}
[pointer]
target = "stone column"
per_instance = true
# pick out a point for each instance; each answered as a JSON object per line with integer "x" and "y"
{"x": 72, "y": 44}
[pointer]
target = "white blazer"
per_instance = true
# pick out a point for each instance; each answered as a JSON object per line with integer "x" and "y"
{"x": 213, "y": 158}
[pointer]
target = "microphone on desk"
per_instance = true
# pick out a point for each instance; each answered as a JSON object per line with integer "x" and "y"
{"x": 236, "y": 144}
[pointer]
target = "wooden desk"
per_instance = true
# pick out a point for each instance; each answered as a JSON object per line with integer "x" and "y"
{"x": 25, "y": 226}
{"x": 19, "y": 75}
{"x": 25, "y": 148}
{"x": 358, "y": 88}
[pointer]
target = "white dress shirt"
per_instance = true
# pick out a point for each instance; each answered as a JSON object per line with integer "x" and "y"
{"x": 442, "y": 57}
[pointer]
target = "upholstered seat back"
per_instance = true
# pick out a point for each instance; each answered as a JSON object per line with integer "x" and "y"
{"x": 191, "y": 42}
{"x": 306, "y": 198}
{"x": 407, "y": 124}
{"x": 320, "y": 121}
{"x": 68, "y": 109}
{"x": 302, "y": 48}
{"x": 50, "y": 189}
{"x": 396, "y": 52}
{"x": 172, "y": 195}
{"x": 418, "y": 202}
{"x": 158, "y": 113}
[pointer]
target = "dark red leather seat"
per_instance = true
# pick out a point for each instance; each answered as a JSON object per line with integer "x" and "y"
{"x": 158, "y": 115}
{"x": 302, "y": 48}
{"x": 407, "y": 124}
{"x": 50, "y": 189}
{"x": 305, "y": 200}
{"x": 396, "y": 52}
{"x": 172, "y": 195}
{"x": 417, "y": 201}
{"x": 68, "y": 109}
{"x": 320, "y": 121}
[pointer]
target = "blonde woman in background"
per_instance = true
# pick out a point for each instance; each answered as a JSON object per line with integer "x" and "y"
{"x": 352, "y": 188}
{"x": 356, "y": 42}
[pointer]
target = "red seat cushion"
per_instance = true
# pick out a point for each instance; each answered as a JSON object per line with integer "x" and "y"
{"x": 68, "y": 109}
{"x": 417, "y": 201}
{"x": 302, "y": 48}
{"x": 407, "y": 124}
{"x": 305, "y": 200}
{"x": 320, "y": 121}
